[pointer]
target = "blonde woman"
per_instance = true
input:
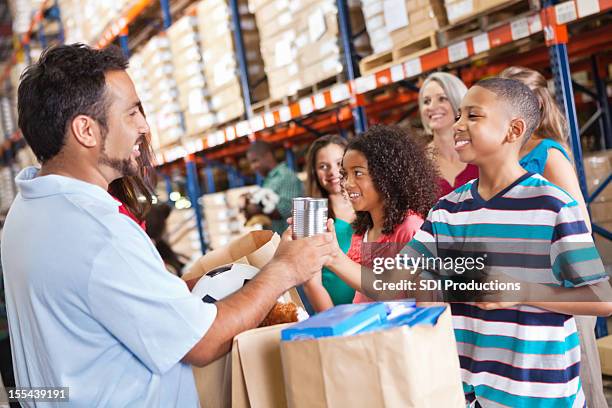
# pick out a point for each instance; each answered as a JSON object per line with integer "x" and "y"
{"x": 439, "y": 99}
{"x": 546, "y": 153}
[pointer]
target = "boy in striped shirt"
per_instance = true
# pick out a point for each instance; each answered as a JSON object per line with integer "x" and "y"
{"x": 516, "y": 354}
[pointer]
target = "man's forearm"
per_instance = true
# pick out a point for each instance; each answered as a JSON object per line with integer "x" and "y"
{"x": 240, "y": 311}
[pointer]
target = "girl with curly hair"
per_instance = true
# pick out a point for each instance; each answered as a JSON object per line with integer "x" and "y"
{"x": 392, "y": 184}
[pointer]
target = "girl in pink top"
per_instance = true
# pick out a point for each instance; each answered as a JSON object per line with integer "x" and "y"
{"x": 391, "y": 184}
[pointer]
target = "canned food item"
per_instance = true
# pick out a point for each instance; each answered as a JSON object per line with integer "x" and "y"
{"x": 309, "y": 216}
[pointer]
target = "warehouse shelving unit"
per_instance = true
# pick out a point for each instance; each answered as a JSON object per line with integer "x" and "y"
{"x": 380, "y": 95}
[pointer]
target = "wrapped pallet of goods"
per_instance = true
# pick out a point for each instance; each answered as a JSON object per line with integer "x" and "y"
{"x": 165, "y": 106}
{"x": 214, "y": 20}
{"x": 400, "y": 29}
{"x": 193, "y": 93}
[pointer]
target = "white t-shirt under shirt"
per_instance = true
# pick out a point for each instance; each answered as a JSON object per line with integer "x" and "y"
{"x": 90, "y": 304}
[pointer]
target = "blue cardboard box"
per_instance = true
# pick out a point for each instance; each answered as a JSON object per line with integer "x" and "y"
{"x": 341, "y": 320}
{"x": 419, "y": 316}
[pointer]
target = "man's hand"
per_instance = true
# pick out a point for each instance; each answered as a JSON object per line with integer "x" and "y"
{"x": 303, "y": 258}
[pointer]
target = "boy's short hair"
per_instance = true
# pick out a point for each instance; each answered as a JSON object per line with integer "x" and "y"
{"x": 517, "y": 97}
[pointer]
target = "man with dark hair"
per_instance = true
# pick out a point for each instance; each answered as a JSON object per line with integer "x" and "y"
{"x": 279, "y": 178}
{"x": 90, "y": 304}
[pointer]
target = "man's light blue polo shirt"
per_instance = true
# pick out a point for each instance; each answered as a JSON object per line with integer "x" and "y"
{"x": 90, "y": 304}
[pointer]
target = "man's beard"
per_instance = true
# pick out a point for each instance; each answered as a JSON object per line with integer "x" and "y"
{"x": 125, "y": 167}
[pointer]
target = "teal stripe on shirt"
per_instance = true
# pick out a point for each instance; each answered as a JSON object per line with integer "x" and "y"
{"x": 509, "y": 231}
{"x": 517, "y": 345}
{"x": 516, "y": 401}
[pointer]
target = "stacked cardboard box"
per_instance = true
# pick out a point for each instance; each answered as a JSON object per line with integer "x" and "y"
{"x": 139, "y": 75}
{"x": 458, "y": 10}
{"x": 409, "y": 20}
{"x": 96, "y": 14}
{"x": 222, "y": 217}
{"x": 597, "y": 168}
{"x": 194, "y": 97}
{"x": 278, "y": 48}
{"x": 300, "y": 41}
{"x": 183, "y": 234}
{"x": 7, "y": 189}
{"x": 165, "y": 107}
{"x": 317, "y": 41}
{"x": 214, "y": 22}
{"x": 373, "y": 11}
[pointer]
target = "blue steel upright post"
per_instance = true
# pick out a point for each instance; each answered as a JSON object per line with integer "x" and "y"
{"x": 193, "y": 186}
{"x": 55, "y": 13}
{"x": 166, "y": 14}
{"x": 352, "y": 69}
{"x": 123, "y": 42}
{"x": 241, "y": 57}
{"x": 42, "y": 38}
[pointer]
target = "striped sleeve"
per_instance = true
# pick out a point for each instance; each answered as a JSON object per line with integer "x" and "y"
{"x": 423, "y": 244}
{"x": 573, "y": 256}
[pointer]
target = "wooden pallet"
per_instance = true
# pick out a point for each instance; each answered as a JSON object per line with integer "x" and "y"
{"x": 482, "y": 20}
{"x": 270, "y": 104}
{"x": 397, "y": 55}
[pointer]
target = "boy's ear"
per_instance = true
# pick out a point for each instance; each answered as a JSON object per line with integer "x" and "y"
{"x": 517, "y": 130}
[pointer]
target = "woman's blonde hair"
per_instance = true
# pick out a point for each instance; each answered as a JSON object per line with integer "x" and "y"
{"x": 453, "y": 88}
{"x": 553, "y": 124}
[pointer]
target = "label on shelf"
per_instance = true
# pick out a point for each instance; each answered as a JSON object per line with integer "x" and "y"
{"x": 365, "y": 84}
{"x": 319, "y": 101}
{"x": 285, "y": 114}
{"x": 220, "y": 137}
{"x": 535, "y": 23}
{"x": 457, "y": 51}
{"x": 519, "y": 29}
{"x": 257, "y": 123}
{"x": 459, "y": 9}
{"x": 306, "y": 106}
{"x": 481, "y": 43}
{"x": 340, "y": 93}
{"x": 243, "y": 128}
{"x": 395, "y": 13}
{"x": 269, "y": 119}
{"x": 587, "y": 7}
{"x": 230, "y": 133}
{"x": 413, "y": 67}
{"x": 565, "y": 12}
{"x": 397, "y": 73}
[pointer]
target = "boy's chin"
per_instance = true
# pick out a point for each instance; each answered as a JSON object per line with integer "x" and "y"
{"x": 467, "y": 157}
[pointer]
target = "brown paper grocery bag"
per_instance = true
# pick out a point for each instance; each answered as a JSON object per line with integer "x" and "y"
{"x": 257, "y": 373}
{"x": 257, "y": 247}
{"x": 214, "y": 383}
{"x": 402, "y": 367}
